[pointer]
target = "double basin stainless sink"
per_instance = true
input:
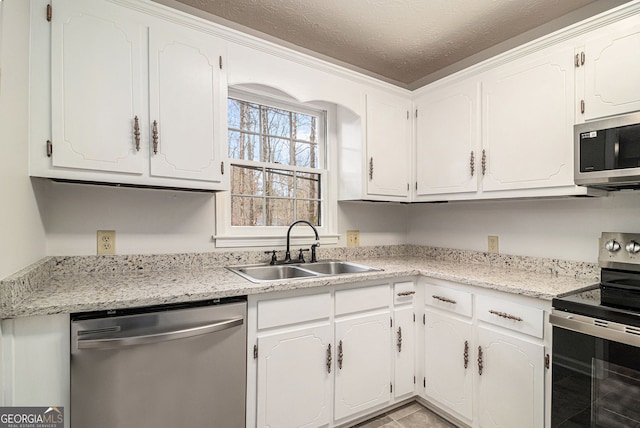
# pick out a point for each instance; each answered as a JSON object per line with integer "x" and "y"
{"x": 266, "y": 273}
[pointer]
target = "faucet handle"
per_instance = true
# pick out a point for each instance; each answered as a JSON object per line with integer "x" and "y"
{"x": 313, "y": 251}
{"x": 301, "y": 255}
{"x": 274, "y": 258}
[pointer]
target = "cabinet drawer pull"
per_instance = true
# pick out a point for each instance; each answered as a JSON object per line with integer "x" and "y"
{"x": 155, "y": 137}
{"x": 480, "y": 362}
{"x": 340, "y": 355}
{"x": 505, "y": 315}
{"x": 399, "y": 339}
{"x": 444, "y": 299}
{"x": 406, "y": 293}
{"x": 466, "y": 354}
{"x": 136, "y": 132}
{"x": 329, "y": 358}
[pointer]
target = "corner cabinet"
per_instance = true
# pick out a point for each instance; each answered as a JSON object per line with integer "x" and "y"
{"x": 485, "y": 360}
{"x": 134, "y": 99}
{"x": 331, "y": 357}
{"x": 607, "y": 66}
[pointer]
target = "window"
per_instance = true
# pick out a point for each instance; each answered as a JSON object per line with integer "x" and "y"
{"x": 275, "y": 164}
{"x": 278, "y": 172}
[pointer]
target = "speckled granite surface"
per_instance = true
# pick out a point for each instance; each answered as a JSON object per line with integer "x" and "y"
{"x": 75, "y": 284}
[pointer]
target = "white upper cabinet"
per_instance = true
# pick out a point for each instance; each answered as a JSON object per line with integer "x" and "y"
{"x": 388, "y": 137}
{"x": 134, "y": 99}
{"x": 447, "y": 140}
{"x": 185, "y": 100}
{"x": 528, "y": 122}
{"x": 609, "y": 64}
{"x": 97, "y": 87}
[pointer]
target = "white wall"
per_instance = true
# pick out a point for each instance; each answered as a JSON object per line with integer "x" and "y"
{"x": 163, "y": 221}
{"x": 558, "y": 228}
{"x": 22, "y": 239}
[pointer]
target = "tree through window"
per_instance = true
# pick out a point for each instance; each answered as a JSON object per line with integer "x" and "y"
{"x": 276, "y": 168}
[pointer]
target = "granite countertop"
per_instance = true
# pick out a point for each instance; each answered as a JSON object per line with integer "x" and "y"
{"x": 79, "y": 292}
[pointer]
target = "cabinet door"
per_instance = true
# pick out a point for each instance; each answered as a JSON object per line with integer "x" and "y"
{"x": 511, "y": 386}
{"x": 294, "y": 382}
{"x": 363, "y": 373}
{"x": 448, "y": 362}
{"x": 404, "y": 349}
{"x": 611, "y": 69}
{"x": 97, "y": 52}
{"x": 388, "y": 146}
{"x": 186, "y": 104}
{"x": 447, "y": 140}
{"x": 528, "y": 123}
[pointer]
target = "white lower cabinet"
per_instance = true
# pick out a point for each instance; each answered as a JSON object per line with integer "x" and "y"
{"x": 484, "y": 355}
{"x": 363, "y": 371}
{"x": 511, "y": 384}
{"x": 294, "y": 378}
{"x": 330, "y": 358}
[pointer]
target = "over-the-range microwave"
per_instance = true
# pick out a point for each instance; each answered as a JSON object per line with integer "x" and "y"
{"x": 607, "y": 153}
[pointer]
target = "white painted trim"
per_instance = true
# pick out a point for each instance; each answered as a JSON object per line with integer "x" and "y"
{"x": 278, "y": 240}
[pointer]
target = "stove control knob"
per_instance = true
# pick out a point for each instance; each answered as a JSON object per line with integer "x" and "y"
{"x": 633, "y": 247}
{"x": 612, "y": 246}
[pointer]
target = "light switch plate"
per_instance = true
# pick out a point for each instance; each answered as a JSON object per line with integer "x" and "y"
{"x": 493, "y": 244}
{"x": 353, "y": 238}
{"x": 106, "y": 242}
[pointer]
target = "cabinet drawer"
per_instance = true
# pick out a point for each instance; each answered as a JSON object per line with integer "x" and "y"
{"x": 514, "y": 316}
{"x": 448, "y": 299}
{"x": 362, "y": 299}
{"x": 403, "y": 292}
{"x": 291, "y": 310}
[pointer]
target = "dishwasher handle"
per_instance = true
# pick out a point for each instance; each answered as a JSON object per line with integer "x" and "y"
{"x": 158, "y": 337}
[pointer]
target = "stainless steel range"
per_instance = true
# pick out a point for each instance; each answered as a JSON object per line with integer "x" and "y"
{"x": 596, "y": 344}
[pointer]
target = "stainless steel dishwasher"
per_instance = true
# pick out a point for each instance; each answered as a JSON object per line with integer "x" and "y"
{"x": 166, "y": 366}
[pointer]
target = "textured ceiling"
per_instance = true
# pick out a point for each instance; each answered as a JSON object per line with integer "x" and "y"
{"x": 401, "y": 40}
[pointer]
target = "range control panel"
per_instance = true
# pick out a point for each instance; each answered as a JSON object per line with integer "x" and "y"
{"x": 619, "y": 251}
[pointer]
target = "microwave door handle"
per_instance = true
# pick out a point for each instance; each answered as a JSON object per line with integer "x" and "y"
{"x": 164, "y": 336}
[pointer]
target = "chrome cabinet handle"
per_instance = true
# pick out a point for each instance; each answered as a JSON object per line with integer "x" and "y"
{"x": 444, "y": 299}
{"x": 340, "y": 355}
{"x": 406, "y": 293}
{"x": 484, "y": 162}
{"x": 505, "y": 315}
{"x": 158, "y": 337}
{"x": 466, "y": 354}
{"x": 480, "y": 362}
{"x": 155, "y": 137}
{"x": 371, "y": 168}
{"x": 329, "y": 358}
{"x": 399, "y": 339}
{"x": 472, "y": 163}
{"x": 136, "y": 132}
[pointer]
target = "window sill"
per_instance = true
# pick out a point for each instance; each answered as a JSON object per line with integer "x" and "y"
{"x": 271, "y": 241}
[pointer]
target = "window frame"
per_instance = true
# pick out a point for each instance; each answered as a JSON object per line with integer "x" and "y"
{"x": 228, "y": 236}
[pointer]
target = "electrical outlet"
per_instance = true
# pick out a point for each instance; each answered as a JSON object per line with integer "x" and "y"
{"x": 106, "y": 242}
{"x": 493, "y": 244}
{"x": 353, "y": 238}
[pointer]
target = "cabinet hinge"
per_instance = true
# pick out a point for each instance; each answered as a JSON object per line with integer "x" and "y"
{"x": 49, "y": 148}
{"x": 49, "y": 12}
{"x": 255, "y": 352}
{"x": 391, "y": 388}
{"x": 222, "y": 168}
{"x": 220, "y": 61}
{"x": 546, "y": 361}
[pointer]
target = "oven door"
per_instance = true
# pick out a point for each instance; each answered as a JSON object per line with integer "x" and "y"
{"x": 596, "y": 373}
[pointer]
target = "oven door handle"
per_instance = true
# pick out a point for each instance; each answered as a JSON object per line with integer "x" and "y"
{"x": 145, "y": 339}
{"x": 607, "y": 330}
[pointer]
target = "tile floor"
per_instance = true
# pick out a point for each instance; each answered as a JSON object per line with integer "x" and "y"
{"x": 413, "y": 415}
